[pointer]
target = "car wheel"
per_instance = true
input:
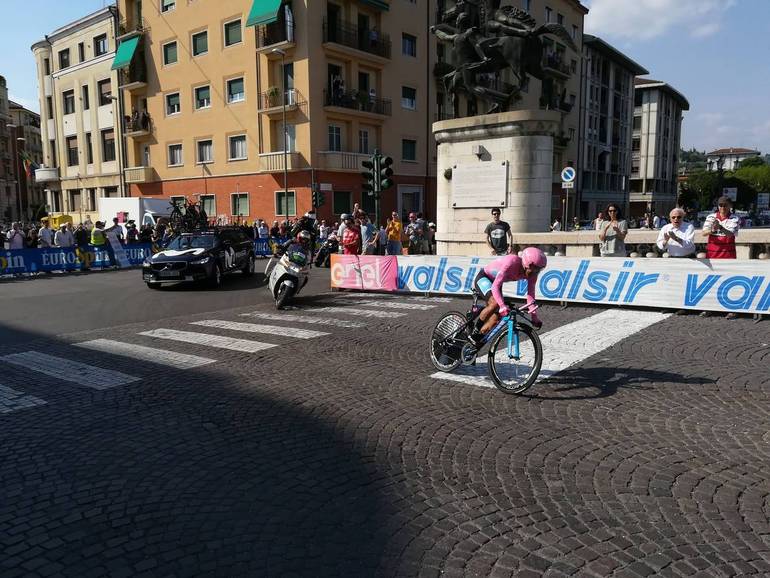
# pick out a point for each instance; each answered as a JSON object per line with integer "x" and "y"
{"x": 216, "y": 278}
{"x": 249, "y": 268}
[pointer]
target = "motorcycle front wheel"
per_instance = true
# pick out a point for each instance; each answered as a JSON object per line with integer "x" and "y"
{"x": 284, "y": 294}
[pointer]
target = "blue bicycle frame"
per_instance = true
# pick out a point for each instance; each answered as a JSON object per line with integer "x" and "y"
{"x": 513, "y": 336}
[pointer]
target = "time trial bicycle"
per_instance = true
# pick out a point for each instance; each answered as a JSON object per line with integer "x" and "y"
{"x": 513, "y": 349}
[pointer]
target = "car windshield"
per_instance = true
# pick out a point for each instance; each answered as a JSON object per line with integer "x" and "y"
{"x": 191, "y": 242}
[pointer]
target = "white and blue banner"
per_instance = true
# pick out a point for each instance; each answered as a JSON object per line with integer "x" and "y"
{"x": 717, "y": 285}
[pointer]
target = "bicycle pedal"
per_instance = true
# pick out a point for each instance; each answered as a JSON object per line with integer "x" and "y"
{"x": 469, "y": 354}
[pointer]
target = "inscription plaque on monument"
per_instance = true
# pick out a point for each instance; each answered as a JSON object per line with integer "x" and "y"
{"x": 482, "y": 185}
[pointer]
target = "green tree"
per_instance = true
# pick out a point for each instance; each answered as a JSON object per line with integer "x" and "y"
{"x": 701, "y": 189}
{"x": 752, "y": 162}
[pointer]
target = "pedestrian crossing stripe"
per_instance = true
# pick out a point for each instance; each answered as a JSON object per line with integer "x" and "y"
{"x": 289, "y": 316}
{"x": 419, "y": 298}
{"x": 259, "y": 328}
{"x": 357, "y": 311}
{"x": 68, "y": 370}
{"x": 396, "y": 305}
{"x": 208, "y": 340}
{"x": 12, "y": 400}
{"x": 151, "y": 354}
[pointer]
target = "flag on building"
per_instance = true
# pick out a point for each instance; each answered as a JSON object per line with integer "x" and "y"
{"x": 30, "y": 166}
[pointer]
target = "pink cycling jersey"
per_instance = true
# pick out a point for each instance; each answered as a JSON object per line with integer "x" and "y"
{"x": 510, "y": 268}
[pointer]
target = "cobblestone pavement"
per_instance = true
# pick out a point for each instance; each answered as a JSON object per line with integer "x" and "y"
{"x": 210, "y": 445}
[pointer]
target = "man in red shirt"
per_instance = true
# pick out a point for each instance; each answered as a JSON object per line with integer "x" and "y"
{"x": 351, "y": 238}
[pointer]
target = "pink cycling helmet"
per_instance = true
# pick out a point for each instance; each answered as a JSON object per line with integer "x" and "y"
{"x": 533, "y": 257}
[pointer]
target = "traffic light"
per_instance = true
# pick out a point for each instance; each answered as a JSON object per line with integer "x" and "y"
{"x": 321, "y": 199}
{"x": 315, "y": 199}
{"x": 385, "y": 172}
{"x": 370, "y": 177}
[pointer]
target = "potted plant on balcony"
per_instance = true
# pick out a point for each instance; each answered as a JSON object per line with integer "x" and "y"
{"x": 272, "y": 95}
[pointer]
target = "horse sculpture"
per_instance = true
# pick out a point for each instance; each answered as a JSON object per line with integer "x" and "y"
{"x": 510, "y": 39}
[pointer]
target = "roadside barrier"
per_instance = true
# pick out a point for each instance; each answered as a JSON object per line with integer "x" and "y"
{"x": 698, "y": 284}
{"x": 20, "y": 261}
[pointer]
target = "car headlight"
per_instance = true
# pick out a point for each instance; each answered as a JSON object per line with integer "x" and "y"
{"x": 146, "y": 264}
{"x": 201, "y": 261}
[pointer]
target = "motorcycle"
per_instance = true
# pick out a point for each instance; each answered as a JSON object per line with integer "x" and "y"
{"x": 330, "y": 246}
{"x": 289, "y": 275}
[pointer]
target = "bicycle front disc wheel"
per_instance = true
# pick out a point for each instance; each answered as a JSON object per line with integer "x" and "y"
{"x": 446, "y": 341}
{"x": 511, "y": 373}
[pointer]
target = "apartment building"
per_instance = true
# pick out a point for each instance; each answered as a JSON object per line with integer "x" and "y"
{"x": 29, "y": 145}
{"x": 558, "y": 90}
{"x": 606, "y": 119}
{"x": 208, "y": 86}
{"x": 9, "y": 206}
{"x": 657, "y": 130}
{"x": 81, "y": 114}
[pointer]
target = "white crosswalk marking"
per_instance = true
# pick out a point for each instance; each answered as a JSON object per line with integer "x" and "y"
{"x": 289, "y": 316}
{"x": 209, "y": 340}
{"x": 68, "y": 370}
{"x": 259, "y": 328}
{"x": 569, "y": 344}
{"x": 159, "y": 356}
{"x": 396, "y": 296}
{"x": 357, "y": 311}
{"x": 12, "y": 400}
{"x": 397, "y": 305}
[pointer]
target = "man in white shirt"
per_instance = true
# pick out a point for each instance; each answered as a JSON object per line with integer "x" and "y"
{"x": 64, "y": 237}
{"x": 45, "y": 235}
{"x": 263, "y": 230}
{"x": 656, "y": 222}
{"x": 677, "y": 237}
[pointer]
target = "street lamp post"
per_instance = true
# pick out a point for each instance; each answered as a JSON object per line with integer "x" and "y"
{"x": 17, "y": 173}
{"x": 285, "y": 133}
{"x": 20, "y": 139}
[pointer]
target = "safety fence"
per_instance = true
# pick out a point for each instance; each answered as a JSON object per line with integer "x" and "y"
{"x": 88, "y": 257}
{"x": 698, "y": 284}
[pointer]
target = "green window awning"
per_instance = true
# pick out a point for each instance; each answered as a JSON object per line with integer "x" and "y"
{"x": 264, "y": 12}
{"x": 125, "y": 53}
{"x": 379, "y": 4}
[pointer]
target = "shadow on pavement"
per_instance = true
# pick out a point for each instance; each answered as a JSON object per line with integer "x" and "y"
{"x": 184, "y": 474}
{"x": 596, "y": 382}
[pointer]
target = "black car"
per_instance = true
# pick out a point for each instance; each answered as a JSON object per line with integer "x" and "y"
{"x": 201, "y": 256}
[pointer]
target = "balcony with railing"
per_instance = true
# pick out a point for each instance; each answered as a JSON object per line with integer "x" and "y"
{"x": 47, "y": 174}
{"x": 272, "y": 102}
{"x": 555, "y": 66}
{"x": 131, "y": 26}
{"x": 443, "y": 115}
{"x": 359, "y": 101}
{"x": 138, "y": 125}
{"x": 274, "y": 161}
{"x": 138, "y": 175}
{"x": 556, "y": 104}
{"x": 279, "y": 34}
{"x": 341, "y": 160}
{"x": 365, "y": 40}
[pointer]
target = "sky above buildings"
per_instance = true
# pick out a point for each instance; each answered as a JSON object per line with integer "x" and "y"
{"x": 715, "y": 52}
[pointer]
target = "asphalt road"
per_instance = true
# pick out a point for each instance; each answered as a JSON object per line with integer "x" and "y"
{"x": 66, "y": 303}
{"x": 185, "y": 433}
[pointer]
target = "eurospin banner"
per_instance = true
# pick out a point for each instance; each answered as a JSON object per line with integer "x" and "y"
{"x": 66, "y": 259}
{"x": 716, "y": 285}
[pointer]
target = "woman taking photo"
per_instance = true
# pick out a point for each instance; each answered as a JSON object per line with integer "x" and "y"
{"x": 612, "y": 233}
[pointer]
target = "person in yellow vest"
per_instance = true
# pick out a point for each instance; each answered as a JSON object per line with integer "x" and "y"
{"x": 99, "y": 240}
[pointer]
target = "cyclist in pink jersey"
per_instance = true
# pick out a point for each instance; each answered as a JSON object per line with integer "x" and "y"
{"x": 489, "y": 282}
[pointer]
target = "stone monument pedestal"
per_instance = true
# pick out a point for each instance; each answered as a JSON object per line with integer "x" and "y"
{"x": 500, "y": 160}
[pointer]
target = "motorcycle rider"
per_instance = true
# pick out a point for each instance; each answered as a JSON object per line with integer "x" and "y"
{"x": 306, "y": 223}
{"x": 489, "y": 282}
{"x": 302, "y": 242}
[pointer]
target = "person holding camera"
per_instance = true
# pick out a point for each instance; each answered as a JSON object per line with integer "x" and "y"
{"x": 721, "y": 228}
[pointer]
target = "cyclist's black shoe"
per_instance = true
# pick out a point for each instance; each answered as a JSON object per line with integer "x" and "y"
{"x": 476, "y": 339}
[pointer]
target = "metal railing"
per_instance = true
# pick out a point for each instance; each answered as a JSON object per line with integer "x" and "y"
{"x": 127, "y": 26}
{"x": 140, "y": 122}
{"x": 271, "y": 98}
{"x": 275, "y": 33}
{"x": 367, "y": 40}
{"x": 358, "y": 100}
{"x": 554, "y": 63}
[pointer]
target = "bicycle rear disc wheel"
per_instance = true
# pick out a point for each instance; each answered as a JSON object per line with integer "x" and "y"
{"x": 515, "y": 375}
{"x": 444, "y": 355}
